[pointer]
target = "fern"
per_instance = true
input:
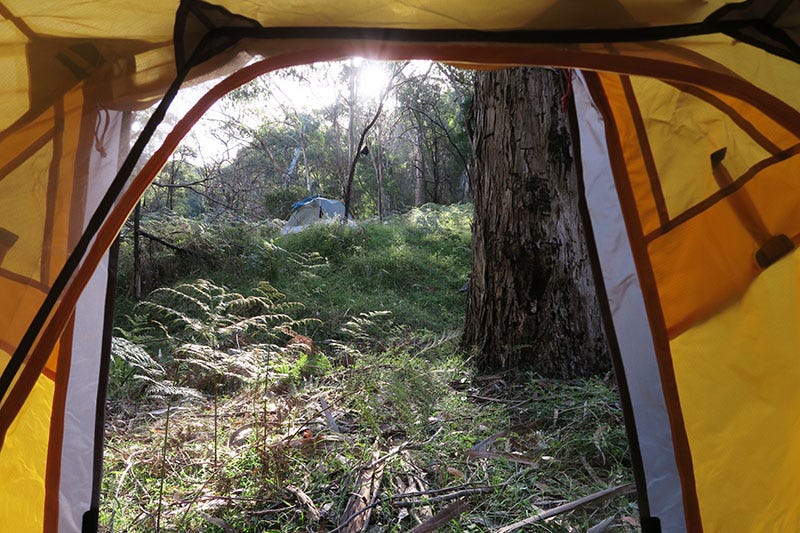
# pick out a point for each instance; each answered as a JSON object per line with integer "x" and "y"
{"x": 211, "y": 336}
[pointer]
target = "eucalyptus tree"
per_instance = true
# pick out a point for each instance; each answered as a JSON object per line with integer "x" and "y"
{"x": 434, "y": 109}
{"x": 531, "y": 299}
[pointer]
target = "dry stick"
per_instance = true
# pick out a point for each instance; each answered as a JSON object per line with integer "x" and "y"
{"x": 522, "y": 459}
{"x": 163, "y": 468}
{"x": 128, "y": 466}
{"x": 198, "y": 494}
{"x": 369, "y": 483}
{"x": 221, "y": 498}
{"x": 442, "y": 518}
{"x": 328, "y": 416}
{"x": 305, "y": 501}
{"x": 449, "y": 490}
{"x": 480, "y": 451}
{"x": 392, "y": 452}
{"x": 602, "y": 526}
{"x": 262, "y": 512}
{"x": 349, "y": 520}
{"x": 220, "y": 523}
{"x": 445, "y": 497}
{"x": 597, "y": 496}
{"x": 483, "y": 445}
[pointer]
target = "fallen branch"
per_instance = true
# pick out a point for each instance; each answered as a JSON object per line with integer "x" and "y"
{"x": 329, "y": 417}
{"x": 443, "y": 497}
{"x": 481, "y": 451}
{"x": 305, "y": 501}
{"x": 602, "y": 526}
{"x": 443, "y": 517}
{"x": 596, "y": 497}
{"x": 361, "y": 502}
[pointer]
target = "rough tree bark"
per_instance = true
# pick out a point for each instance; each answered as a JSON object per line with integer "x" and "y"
{"x": 531, "y": 301}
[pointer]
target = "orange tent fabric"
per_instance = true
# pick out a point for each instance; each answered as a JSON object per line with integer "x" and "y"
{"x": 689, "y": 133}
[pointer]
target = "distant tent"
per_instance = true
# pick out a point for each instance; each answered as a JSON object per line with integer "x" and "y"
{"x": 313, "y": 210}
{"x": 686, "y": 133}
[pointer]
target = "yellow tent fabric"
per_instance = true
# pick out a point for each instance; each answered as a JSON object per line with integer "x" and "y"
{"x": 696, "y": 126}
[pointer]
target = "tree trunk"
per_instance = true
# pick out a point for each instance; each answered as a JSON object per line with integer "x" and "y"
{"x": 377, "y": 161}
{"x": 435, "y": 171}
{"x": 531, "y": 301}
{"x": 418, "y": 162}
{"x": 137, "y": 253}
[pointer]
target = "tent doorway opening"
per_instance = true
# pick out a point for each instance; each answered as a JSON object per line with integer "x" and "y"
{"x": 689, "y": 127}
{"x": 254, "y": 349}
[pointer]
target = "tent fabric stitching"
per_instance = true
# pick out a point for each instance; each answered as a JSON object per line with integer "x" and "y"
{"x": 655, "y": 317}
{"x": 736, "y": 117}
{"x": 723, "y": 193}
{"x": 53, "y": 469}
{"x": 608, "y": 323}
{"x": 646, "y": 151}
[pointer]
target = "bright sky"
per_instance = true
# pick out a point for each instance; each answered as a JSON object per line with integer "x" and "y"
{"x": 287, "y": 92}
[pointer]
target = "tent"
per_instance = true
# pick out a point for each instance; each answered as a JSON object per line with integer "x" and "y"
{"x": 313, "y": 210}
{"x": 687, "y": 128}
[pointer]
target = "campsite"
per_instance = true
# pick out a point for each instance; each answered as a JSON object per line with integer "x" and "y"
{"x": 555, "y": 286}
{"x": 290, "y": 345}
{"x": 383, "y": 384}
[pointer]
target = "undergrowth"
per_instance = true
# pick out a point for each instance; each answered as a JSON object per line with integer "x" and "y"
{"x": 267, "y": 408}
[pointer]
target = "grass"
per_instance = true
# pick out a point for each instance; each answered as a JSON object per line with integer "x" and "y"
{"x": 411, "y": 266}
{"x": 373, "y": 382}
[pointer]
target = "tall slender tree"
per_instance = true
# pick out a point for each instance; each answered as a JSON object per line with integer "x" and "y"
{"x": 531, "y": 299}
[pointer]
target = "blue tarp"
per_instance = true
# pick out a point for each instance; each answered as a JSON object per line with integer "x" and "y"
{"x": 303, "y": 202}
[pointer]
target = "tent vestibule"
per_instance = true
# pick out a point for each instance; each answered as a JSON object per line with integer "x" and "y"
{"x": 688, "y": 135}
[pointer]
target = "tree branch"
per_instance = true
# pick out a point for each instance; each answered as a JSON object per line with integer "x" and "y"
{"x": 179, "y": 185}
{"x": 390, "y": 86}
{"x": 596, "y": 497}
{"x": 161, "y": 241}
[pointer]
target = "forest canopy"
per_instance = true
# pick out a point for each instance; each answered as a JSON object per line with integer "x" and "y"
{"x": 300, "y": 131}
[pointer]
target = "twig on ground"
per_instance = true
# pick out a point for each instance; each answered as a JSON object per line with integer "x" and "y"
{"x": 220, "y": 523}
{"x": 444, "y": 497}
{"x": 602, "y": 526}
{"x": 328, "y": 416}
{"x": 305, "y": 501}
{"x": 481, "y": 451}
{"x": 443, "y": 517}
{"x": 362, "y": 501}
{"x": 590, "y": 471}
{"x": 447, "y": 490}
{"x": 523, "y": 459}
{"x": 394, "y": 451}
{"x": 483, "y": 445}
{"x": 163, "y": 467}
{"x": 128, "y": 466}
{"x": 346, "y": 523}
{"x": 596, "y": 497}
{"x": 262, "y": 512}
{"x": 488, "y": 399}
